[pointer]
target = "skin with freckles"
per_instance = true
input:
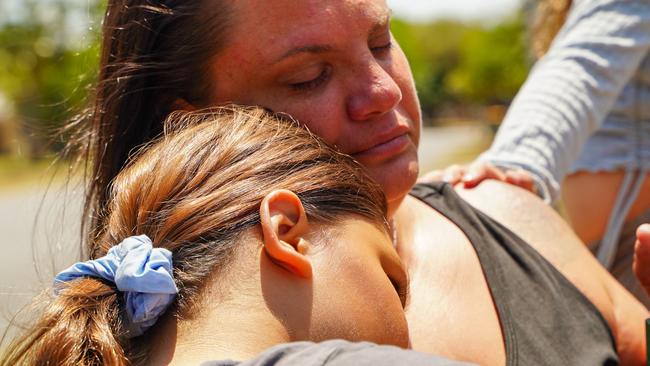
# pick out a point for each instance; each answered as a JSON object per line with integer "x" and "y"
{"x": 334, "y": 66}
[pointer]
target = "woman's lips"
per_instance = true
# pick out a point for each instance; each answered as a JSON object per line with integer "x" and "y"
{"x": 384, "y": 150}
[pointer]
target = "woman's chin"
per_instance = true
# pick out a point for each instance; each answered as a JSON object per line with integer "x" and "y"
{"x": 396, "y": 176}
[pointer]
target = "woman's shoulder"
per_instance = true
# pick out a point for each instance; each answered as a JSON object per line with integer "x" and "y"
{"x": 520, "y": 211}
{"x": 548, "y": 233}
{"x": 527, "y": 217}
{"x": 338, "y": 353}
{"x": 532, "y": 220}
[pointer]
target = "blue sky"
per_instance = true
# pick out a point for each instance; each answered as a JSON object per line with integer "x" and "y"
{"x": 484, "y": 10}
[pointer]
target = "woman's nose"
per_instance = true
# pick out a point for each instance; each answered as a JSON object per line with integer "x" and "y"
{"x": 375, "y": 92}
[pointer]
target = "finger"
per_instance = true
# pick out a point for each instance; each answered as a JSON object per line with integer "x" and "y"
{"x": 643, "y": 233}
{"x": 641, "y": 264}
{"x": 432, "y": 177}
{"x": 479, "y": 172}
{"x": 522, "y": 179}
{"x": 453, "y": 174}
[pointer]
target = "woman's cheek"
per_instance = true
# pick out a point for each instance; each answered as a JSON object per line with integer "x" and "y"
{"x": 322, "y": 114}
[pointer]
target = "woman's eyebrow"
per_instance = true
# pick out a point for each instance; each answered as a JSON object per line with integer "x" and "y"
{"x": 378, "y": 27}
{"x": 311, "y": 49}
{"x": 382, "y": 24}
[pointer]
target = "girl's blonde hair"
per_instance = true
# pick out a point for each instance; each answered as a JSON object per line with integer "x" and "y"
{"x": 549, "y": 19}
{"x": 195, "y": 192}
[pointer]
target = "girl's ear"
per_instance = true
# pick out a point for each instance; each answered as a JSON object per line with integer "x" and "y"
{"x": 284, "y": 226}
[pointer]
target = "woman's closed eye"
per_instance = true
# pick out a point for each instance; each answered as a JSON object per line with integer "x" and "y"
{"x": 383, "y": 49}
{"x": 313, "y": 83}
{"x": 381, "y": 43}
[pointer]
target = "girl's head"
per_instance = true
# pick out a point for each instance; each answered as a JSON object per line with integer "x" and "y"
{"x": 333, "y": 65}
{"x": 251, "y": 206}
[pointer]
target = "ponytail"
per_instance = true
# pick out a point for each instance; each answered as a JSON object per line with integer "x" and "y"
{"x": 78, "y": 328}
{"x": 84, "y": 324}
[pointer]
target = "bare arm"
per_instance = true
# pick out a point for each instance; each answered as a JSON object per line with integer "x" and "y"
{"x": 536, "y": 223}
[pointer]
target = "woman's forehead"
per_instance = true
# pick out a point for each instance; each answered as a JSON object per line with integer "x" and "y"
{"x": 282, "y": 25}
{"x": 297, "y": 12}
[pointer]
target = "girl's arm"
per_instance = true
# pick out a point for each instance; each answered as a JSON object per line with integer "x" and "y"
{"x": 572, "y": 89}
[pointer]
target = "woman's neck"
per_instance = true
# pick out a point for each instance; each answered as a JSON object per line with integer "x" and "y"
{"x": 402, "y": 221}
{"x": 394, "y": 206}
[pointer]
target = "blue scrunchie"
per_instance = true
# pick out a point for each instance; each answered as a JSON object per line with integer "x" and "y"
{"x": 141, "y": 272}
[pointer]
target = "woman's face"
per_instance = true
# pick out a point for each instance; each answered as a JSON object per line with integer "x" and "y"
{"x": 333, "y": 65}
{"x": 360, "y": 287}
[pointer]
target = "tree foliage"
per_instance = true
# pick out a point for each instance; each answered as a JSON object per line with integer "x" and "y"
{"x": 44, "y": 72}
{"x": 464, "y": 64}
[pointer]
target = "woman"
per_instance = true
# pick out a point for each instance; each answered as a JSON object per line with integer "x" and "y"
{"x": 235, "y": 224}
{"x": 335, "y": 67}
{"x": 581, "y": 121}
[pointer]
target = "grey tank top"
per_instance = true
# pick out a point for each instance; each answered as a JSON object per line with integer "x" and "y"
{"x": 545, "y": 319}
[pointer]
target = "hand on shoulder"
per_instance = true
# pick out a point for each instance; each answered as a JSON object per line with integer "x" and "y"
{"x": 473, "y": 174}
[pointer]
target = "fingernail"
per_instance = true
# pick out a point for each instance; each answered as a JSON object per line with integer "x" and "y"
{"x": 468, "y": 178}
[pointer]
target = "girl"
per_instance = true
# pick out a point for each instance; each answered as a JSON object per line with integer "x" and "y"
{"x": 237, "y": 233}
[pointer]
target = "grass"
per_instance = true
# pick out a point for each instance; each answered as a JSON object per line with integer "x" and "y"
{"x": 17, "y": 171}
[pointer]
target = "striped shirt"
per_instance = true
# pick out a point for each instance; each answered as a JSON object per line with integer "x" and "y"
{"x": 586, "y": 104}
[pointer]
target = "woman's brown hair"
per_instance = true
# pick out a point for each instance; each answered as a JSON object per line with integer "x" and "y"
{"x": 154, "y": 53}
{"x": 549, "y": 19}
{"x": 195, "y": 192}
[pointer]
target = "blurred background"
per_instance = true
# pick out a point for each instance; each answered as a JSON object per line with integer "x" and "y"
{"x": 469, "y": 58}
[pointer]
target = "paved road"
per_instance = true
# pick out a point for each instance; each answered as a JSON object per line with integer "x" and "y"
{"x": 35, "y": 227}
{"x": 52, "y": 241}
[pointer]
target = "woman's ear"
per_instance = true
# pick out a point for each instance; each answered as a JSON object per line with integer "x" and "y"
{"x": 180, "y": 104}
{"x": 284, "y": 226}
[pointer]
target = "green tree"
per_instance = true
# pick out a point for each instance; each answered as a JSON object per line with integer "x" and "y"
{"x": 460, "y": 64}
{"x": 44, "y": 72}
{"x": 493, "y": 63}
{"x": 432, "y": 50}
